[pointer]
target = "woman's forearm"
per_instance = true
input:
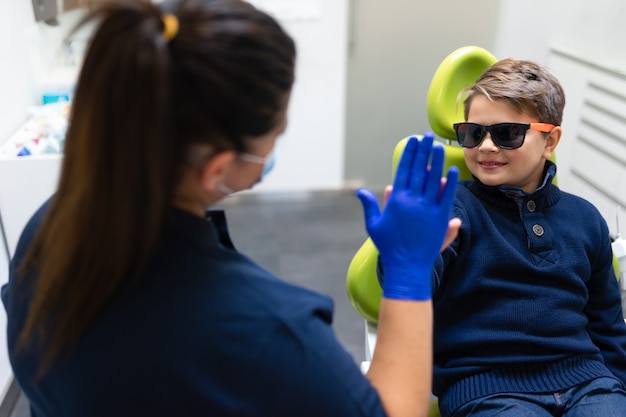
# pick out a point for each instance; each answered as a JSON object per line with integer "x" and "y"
{"x": 401, "y": 368}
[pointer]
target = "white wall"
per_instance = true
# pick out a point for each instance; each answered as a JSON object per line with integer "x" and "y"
{"x": 592, "y": 153}
{"x": 395, "y": 48}
{"x": 310, "y": 153}
{"x": 16, "y": 72}
{"x": 17, "y": 86}
{"x": 594, "y": 29}
{"x": 563, "y": 35}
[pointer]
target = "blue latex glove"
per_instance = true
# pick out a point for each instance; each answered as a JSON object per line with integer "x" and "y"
{"x": 410, "y": 230}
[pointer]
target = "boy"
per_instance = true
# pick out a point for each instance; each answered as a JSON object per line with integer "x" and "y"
{"x": 528, "y": 318}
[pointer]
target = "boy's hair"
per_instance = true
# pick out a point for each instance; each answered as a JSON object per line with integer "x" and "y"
{"x": 525, "y": 85}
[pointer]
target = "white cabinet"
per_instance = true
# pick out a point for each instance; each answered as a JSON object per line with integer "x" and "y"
{"x": 25, "y": 183}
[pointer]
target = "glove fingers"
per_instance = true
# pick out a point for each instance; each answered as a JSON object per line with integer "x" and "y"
{"x": 371, "y": 209}
{"x": 419, "y": 173}
{"x": 432, "y": 187}
{"x": 403, "y": 172}
{"x": 449, "y": 190}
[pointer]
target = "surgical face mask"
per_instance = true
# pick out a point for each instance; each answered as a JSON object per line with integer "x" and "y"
{"x": 268, "y": 163}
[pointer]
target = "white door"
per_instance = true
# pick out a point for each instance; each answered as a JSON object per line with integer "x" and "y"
{"x": 394, "y": 48}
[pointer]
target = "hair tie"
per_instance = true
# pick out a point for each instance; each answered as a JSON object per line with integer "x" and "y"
{"x": 170, "y": 26}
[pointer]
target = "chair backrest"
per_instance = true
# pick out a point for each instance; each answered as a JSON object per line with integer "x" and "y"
{"x": 444, "y": 102}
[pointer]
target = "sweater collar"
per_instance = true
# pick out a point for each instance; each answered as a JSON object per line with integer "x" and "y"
{"x": 547, "y": 194}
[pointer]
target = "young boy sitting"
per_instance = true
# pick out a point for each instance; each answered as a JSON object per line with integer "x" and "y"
{"x": 528, "y": 319}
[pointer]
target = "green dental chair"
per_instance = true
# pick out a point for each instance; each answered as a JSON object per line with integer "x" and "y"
{"x": 457, "y": 71}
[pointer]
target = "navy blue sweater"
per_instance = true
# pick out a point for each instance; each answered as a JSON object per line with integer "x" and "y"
{"x": 525, "y": 299}
{"x": 206, "y": 332}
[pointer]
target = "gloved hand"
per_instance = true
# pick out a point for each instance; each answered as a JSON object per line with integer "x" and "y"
{"x": 410, "y": 230}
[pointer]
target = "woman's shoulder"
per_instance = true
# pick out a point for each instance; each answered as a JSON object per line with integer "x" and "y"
{"x": 222, "y": 280}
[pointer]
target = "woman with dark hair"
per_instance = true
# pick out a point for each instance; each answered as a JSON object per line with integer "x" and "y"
{"x": 125, "y": 296}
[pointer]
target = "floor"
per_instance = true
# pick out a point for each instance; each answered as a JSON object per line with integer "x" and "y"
{"x": 305, "y": 238}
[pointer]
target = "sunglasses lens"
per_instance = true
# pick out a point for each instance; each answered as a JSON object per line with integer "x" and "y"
{"x": 504, "y": 135}
{"x": 469, "y": 135}
{"x": 509, "y": 135}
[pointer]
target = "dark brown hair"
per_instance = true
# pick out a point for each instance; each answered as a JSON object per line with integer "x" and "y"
{"x": 140, "y": 104}
{"x": 525, "y": 85}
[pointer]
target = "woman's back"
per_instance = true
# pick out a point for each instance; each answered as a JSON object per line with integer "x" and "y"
{"x": 204, "y": 332}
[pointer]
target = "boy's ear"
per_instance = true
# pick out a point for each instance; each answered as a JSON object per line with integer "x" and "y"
{"x": 213, "y": 171}
{"x": 552, "y": 141}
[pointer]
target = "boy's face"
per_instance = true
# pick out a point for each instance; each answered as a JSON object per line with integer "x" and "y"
{"x": 521, "y": 167}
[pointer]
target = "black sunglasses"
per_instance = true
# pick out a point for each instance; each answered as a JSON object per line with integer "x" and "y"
{"x": 504, "y": 135}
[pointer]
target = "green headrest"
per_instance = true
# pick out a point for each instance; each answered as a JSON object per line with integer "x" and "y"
{"x": 459, "y": 70}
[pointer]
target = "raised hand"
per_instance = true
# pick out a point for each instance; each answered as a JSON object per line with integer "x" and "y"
{"x": 410, "y": 230}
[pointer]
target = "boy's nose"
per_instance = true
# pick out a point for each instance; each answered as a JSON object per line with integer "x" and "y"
{"x": 487, "y": 143}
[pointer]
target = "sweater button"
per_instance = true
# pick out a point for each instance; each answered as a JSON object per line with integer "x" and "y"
{"x": 538, "y": 230}
{"x": 531, "y": 206}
